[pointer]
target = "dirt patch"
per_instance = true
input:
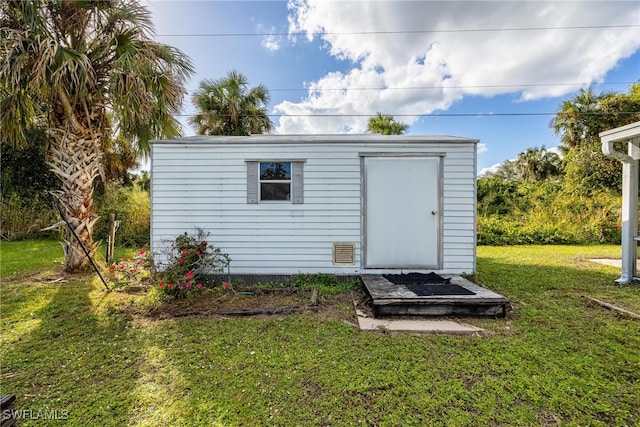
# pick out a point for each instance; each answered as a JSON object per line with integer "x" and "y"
{"x": 252, "y": 302}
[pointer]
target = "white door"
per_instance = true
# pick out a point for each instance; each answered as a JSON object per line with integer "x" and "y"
{"x": 402, "y": 212}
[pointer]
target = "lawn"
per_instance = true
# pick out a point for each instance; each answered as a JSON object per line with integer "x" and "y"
{"x": 69, "y": 351}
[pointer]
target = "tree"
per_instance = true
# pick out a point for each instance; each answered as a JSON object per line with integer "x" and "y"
{"x": 534, "y": 164}
{"x": 120, "y": 155}
{"x": 579, "y": 122}
{"x": 496, "y": 196}
{"x": 621, "y": 108}
{"x": 588, "y": 170}
{"x": 577, "y": 119}
{"x": 228, "y": 107}
{"x": 507, "y": 171}
{"x": 65, "y": 65}
{"x": 386, "y": 125}
{"x": 23, "y": 170}
{"x": 538, "y": 164}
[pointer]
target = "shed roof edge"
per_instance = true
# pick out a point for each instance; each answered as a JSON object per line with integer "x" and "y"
{"x": 315, "y": 139}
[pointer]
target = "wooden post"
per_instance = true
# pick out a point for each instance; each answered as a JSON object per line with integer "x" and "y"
{"x": 314, "y": 300}
{"x": 111, "y": 236}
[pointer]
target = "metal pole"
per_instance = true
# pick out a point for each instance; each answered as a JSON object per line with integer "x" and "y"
{"x": 86, "y": 252}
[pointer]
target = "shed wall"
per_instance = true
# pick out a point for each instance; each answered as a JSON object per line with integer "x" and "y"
{"x": 204, "y": 186}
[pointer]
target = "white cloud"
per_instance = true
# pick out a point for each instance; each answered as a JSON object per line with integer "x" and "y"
{"x": 271, "y": 41}
{"x": 451, "y": 64}
{"x": 491, "y": 169}
{"x": 482, "y": 148}
{"x": 556, "y": 150}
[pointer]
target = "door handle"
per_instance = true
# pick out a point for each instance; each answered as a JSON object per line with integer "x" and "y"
{"x": 434, "y": 212}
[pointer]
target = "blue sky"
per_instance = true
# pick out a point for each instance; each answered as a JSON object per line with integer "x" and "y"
{"x": 468, "y": 62}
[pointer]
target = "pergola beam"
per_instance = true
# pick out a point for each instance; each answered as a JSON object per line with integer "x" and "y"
{"x": 629, "y": 134}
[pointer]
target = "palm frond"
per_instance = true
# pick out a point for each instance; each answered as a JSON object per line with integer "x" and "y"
{"x": 227, "y": 106}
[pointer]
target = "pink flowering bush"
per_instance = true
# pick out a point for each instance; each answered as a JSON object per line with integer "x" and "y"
{"x": 189, "y": 260}
{"x": 131, "y": 273}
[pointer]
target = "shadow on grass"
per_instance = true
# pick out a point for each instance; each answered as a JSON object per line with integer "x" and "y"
{"x": 544, "y": 286}
{"x": 72, "y": 363}
{"x": 591, "y": 353}
{"x": 561, "y": 361}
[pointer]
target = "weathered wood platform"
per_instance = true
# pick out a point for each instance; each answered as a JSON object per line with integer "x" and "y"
{"x": 7, "y": 402}
{"x": 397, "y": 300}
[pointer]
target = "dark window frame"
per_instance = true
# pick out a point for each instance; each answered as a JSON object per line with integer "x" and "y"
{"x": 296, "y": 182}
{"x": 274, "y": 182}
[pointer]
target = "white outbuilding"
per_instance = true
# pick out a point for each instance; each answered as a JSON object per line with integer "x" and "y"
{"x": 340, "y": 204}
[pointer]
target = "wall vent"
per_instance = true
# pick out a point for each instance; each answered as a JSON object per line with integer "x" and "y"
{"x": 343, "y": 253}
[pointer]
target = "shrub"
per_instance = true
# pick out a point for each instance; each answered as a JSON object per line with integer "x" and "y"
{"x": 554, "y": 217}
{"x": 496, "y": 196}
{"x": 133, "y": 273}
{"x": 132, "y": 207}
{"x": 187, "y": 262}
{"x": 24, "y": 217}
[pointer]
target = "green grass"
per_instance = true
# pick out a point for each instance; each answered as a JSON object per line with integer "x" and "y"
{"x": 20, "y": 257}
{"x": 558, "y": 360}
{"x": 23, "y": 257}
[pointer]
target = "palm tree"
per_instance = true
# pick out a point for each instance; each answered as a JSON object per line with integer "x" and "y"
{"x": 228, "y": 107}
{"x": 65, "y": 65}
{"x": 579, "y": 122}
{"x": 507, "y": 171}
{"x": 119, "y": 156}
{"x": 577, "y": 119}
{"x": 538, "y": 164}
{"x": 386, "y": 125}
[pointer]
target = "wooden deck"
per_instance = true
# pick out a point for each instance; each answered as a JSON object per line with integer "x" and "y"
{"x": 396, "y": 300}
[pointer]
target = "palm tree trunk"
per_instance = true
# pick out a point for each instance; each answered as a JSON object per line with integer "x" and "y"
{"x": 75, "y": 160}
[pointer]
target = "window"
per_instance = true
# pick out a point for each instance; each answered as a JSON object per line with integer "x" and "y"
{"x": 275, "y": 181}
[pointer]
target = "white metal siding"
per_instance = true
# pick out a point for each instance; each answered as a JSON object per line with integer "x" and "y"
{"x": 204, "y": 185}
